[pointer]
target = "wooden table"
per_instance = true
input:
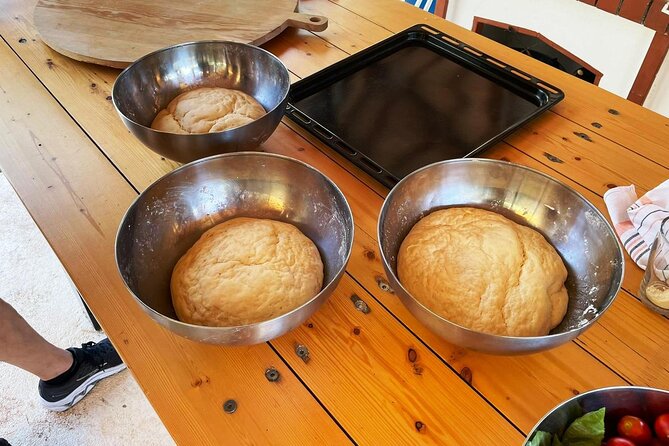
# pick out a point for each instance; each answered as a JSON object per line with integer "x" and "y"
{"x": 374, "y": 379}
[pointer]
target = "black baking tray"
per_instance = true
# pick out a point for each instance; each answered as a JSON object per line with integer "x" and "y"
{"x": 418, "y": 97}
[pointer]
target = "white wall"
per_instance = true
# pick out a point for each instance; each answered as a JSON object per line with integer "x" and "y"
{"x": 613, "y": 45}
{"x": 658, "y": 97}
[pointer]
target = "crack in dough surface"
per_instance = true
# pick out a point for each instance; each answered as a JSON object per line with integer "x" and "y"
{"x": 485, "y": 272}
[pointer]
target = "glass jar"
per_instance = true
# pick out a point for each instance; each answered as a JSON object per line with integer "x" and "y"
{"x": 654, "y": 291}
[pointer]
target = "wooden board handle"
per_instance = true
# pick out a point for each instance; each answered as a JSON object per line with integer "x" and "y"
{"x": 307, "y": 21}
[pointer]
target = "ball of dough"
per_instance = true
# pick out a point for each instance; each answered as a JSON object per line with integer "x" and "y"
{"x": 207, "y": 110}
{"x": 245, "y": 270}
{"x": 485, "y": 272}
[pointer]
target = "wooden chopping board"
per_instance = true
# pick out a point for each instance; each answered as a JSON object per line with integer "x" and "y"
{"x": 118, "y": 32}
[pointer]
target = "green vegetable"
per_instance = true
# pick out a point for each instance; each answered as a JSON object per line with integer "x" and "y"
{"x": 587, "y": 430}
{"x": 541, "y": 438}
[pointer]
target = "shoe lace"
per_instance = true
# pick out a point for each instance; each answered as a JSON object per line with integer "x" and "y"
{"x": 97, "y": 352}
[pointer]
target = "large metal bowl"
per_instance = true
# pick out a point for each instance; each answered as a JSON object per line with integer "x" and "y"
{"x": 578, "y": 231}
{"x": 644, "y": 402}
{"x": 172, "y": 213}
{"x": 150, "y": 83}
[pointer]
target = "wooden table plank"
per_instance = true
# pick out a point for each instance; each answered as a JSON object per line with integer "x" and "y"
{"x": 50, "y": 162}
{"x": 369, "y": 271}
{"x": 501, "y": 432}
{"x": 284, "y": 142}
{"x": 632, "y": 340}
{"x": 362, "y": 202}
{"x": 491, "y": 415}
{"x": 659, "y": 376}
{"x": 294, "y": 146}
{"x": 360, "y": 368}
{"x": 86, "y": 80}
{"x": 346, "y": 30}
{"x": 587, "y": 158}
{"x": 547, "y": 378}
{"x": 102, "y": 78}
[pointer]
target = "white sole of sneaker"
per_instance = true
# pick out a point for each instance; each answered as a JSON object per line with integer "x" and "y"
{"x": 81, "y": 391}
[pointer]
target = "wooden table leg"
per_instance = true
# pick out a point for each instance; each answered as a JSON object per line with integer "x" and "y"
{"x": 96, "y": 324}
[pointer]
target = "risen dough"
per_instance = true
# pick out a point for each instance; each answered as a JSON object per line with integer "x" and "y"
{"x": 245, "y": 270}
{"x": 482, "y": 271}
{"x": 207, "y": 110}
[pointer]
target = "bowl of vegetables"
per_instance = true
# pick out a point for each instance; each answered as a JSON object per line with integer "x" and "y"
{"x": 612, "y": 416}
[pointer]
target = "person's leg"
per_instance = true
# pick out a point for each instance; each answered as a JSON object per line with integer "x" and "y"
{"x": 66, "y": 376}
{"x": 23, "y": 347}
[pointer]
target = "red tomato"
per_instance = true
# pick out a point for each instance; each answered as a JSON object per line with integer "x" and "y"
{"x": 662, "y": 428}
{"x": 619, "y": 441}
{"x": 634, "y": 429}
{"x": 655, "y": 442}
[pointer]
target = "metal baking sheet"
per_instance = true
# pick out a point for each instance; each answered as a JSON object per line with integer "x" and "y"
{"x": 415, "y": 98}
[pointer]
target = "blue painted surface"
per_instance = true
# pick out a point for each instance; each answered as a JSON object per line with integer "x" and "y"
{"x": 426, "y": 5}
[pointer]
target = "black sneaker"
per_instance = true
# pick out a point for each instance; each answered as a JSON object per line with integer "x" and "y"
{"x": 92, "y": 362}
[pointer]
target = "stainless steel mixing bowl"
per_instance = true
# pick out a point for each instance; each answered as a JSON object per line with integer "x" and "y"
{"x": 644, "y": 402}
{"x": 577, "y": 230}
{"x": 150, "y": 83}
{"x": 172, "y": 213}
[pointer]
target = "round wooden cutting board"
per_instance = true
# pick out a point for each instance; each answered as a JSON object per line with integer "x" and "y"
{"x": 118, "y": 32}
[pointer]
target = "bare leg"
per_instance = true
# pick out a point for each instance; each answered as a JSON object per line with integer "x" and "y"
{"x": 23, "y": 347}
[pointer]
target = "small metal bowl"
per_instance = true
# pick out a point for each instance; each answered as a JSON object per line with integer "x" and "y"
{"x": 150, "y": 83}
{"x": 643, "y": 402}
{"x": 172, "y": 213}
{"x": 578, "y": 231}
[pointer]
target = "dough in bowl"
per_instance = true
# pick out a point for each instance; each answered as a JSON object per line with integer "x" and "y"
{"x": 485, "y": 272}
{"x": 207, "y": 110}
{"x": 245, "y": 270}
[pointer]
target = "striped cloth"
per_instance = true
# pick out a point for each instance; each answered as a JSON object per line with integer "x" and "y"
{"x": 638, "y": 220}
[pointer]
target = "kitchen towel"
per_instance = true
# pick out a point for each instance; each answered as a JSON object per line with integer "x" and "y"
{"x": 638, "y": 220}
